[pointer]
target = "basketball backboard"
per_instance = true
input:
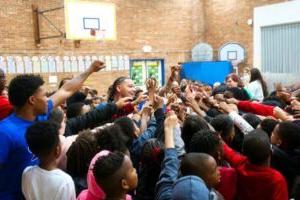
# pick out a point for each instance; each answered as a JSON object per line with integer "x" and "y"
{"x": 87, "y": 20}
{"x": 202, "y": 52}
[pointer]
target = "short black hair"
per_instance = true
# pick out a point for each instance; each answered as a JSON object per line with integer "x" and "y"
{"x": 205, "y": 141}
{"x": 257, "y": 146}
{"x": 104, "y": 170}
{"x": 191, "y": 125}
{"x": 128, "y": 129}
{"x": 111, "y": 138}
{"x": 223, "y": 124}
{"x": 252, "y": 119}
{"x": 194, "y": 164}
{"x": 80, "y": 154}
{"x": 42, "y": 138}
{"x": 268, "y": 125}
{"x": 289, "y": 134}
{"x": 238, "y": 93}
{"x": 74, "y": 109}
{"x": 22, "y": 87}
{"x": 219, "y": 90}
{"x": 273, "y": 100}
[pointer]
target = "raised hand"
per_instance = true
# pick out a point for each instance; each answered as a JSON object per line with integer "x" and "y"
{"x": 147, "y": 110}
{"x": 192, "y": 103}
{"x": 96, "y": 66}
{"x": 140, "y": 99}
{"x": 123, "y": 101}
{"x": 189, "y": 92}
{"x": 171, "y": 120}
{"x": 151, "y": 84}
{"x": 172, "y": 99}
{"x": 175, "y": 71}
{"x": 225, "y": 107}
{"x": 158, "y": 102}
{"x": 232, "y": 100}
{"x": 170, "y": 123}
{"x": 281, "y": 114}
{"x": 219, "y": 97}
{"x": 295, "y": 103}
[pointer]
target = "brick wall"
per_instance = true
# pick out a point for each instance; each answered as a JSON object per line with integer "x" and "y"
{"x": 226, "y": 21}
{"x": 171, "y": 27}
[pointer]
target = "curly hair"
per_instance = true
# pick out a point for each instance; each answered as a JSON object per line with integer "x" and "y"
{"x": 205, "y": 141}
{"x": 111, "y": 138}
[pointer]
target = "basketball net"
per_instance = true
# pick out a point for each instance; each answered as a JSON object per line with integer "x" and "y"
{"x": 93, "y": 32}
{"x": 98, "y": 34}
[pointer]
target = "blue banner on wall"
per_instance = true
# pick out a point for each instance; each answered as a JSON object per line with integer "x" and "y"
{"x": 206, "y": 72}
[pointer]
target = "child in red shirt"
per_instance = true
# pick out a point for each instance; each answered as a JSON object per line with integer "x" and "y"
{"x": 255, "y": 178}
{"x": 208, "y": 141}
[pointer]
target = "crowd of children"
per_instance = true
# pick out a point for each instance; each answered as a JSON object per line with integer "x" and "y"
{"x": 183, "y": 141}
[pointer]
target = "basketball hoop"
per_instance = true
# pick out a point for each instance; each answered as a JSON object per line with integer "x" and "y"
{"x": 93, "y": 32}
{"x": 98, "y": 34}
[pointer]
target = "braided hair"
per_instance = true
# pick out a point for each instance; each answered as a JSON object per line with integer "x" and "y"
{"x": 80, "y": 154}
{"x": 113, "y": 88}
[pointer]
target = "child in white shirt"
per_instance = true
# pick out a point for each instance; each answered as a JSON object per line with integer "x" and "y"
{"x": 46, "y": 181}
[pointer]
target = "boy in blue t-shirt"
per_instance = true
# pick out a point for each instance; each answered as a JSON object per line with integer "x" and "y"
{"x": 28, "y": 96}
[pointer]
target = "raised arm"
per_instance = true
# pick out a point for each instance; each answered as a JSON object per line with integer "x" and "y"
{"x": 94, "y": 118}
{"x": 175, "y": 70}
{"x": 69, "y": 88}
{"x": 238, "y": 120}
{"x": 235, "y": 159}
{"x": 170, "y": 164}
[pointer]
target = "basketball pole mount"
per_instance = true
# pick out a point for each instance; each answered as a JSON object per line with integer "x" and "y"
{"x": 36, "y": 25}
